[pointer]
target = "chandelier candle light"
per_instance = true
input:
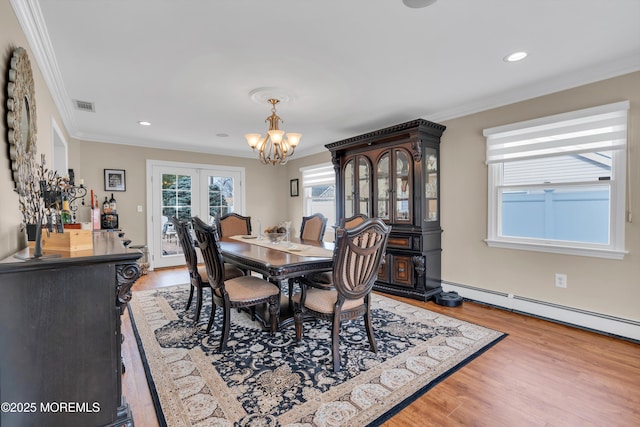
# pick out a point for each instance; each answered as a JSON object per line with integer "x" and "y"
{"x": 274, "y": 148}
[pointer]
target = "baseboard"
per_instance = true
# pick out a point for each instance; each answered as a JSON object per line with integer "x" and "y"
{"x": 597, "y": 322}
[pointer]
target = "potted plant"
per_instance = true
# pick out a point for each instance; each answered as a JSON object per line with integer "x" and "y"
{"x": 41, "y": 198}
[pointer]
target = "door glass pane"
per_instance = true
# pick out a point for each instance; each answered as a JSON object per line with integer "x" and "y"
{"x": 383, "y": 186}
{"x": 403, "y": 187}
{"x": 348, "y": 189}
{"x": 176, "y": 201}
{"x": 364, "y": 185}
{"x": 431, "y": 185}
{"x": 220, "y": 196}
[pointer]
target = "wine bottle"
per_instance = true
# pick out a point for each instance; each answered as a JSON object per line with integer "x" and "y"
{"x": 65, "y": 213}
{"x": 106, "y": 206}
{"x": 112, "y": 204}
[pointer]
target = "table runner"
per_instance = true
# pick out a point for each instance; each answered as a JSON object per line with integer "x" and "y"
{"x": 292, "y": 248}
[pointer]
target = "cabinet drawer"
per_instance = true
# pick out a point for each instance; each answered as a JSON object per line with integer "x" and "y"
{"x": 403, "y": 242}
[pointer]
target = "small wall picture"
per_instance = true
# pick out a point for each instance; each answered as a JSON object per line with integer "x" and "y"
{"x": 114, "y": 180}
{"x": 293, "y": 188}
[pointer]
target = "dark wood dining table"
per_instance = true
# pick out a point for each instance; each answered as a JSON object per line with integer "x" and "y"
{"x": 275, "y": 265}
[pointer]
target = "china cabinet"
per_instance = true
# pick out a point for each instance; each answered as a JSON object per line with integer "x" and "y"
{"x": 393, "y": 174}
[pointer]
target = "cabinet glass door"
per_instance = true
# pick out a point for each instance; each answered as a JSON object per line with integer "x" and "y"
{"x": 403, "y": 187}
{"x": 383, "y": 184}
{"x": 349, "y": 189}
{"x": 364, "y": 186}
{"x": 431, "y": 185}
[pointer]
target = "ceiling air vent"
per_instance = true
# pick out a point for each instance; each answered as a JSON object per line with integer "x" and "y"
{"x": 84, "y": 106}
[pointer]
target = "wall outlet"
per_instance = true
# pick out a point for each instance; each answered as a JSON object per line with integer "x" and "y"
{"x": 561, "y": 280}
{"x": 139, "y": 208}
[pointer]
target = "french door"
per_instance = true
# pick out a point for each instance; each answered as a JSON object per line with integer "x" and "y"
{"x": 186, "y": 190}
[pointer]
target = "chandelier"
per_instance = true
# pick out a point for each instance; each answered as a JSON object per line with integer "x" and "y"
{"x": 275, "y": 148}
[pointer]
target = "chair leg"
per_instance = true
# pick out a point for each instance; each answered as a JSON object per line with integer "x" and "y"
{"x": 225, "y": 326}
{"x": 198, "y": 304}
{"x": 297, "y": 316}
{"x": 213, "y": 314}
{"x": 335, "y": 343}
{"x": 190, "y": 298}
{"x": 369, "y": 327}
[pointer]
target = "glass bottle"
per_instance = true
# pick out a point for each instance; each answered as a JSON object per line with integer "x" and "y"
{"x": 65, "y": 213}
{"x": 106, "y": 206}
{"x": 112, "y": 204}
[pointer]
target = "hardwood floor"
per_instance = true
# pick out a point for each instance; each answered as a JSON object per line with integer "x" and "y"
{"x": 542, "y": 374}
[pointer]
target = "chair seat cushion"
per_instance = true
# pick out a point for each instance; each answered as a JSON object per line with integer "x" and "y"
{"x": 323, "y": 301}
{"x": 249, "y": 288}
{"x": 230, "y": 272}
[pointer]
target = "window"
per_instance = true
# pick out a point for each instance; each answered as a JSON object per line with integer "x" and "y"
{"x": 557, "y": 184}
{"x": 220, "y": 200}
{"x": 319, "y": 191}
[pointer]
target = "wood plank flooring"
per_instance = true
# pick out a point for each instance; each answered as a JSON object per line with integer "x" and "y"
{"x": 542, "y": 374}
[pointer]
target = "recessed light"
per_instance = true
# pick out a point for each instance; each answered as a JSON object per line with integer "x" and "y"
{"x": 515, "y": 56}
{"x": 417, "y": 4}
{"x": 143, "y": 123}
{"x": 222, "y": 135}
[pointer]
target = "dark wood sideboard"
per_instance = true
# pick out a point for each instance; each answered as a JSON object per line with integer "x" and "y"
{"x": 60, "y": 339}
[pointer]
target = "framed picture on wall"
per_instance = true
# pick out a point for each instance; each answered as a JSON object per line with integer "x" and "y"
{"x": 293, "y": 188}
{"x": 114, "y": 180}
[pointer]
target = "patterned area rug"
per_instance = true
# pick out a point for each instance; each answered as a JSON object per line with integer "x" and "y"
{"x": 265, "y": 380}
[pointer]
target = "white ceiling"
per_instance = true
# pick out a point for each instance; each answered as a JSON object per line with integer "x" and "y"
{"x": 350, "y": 66}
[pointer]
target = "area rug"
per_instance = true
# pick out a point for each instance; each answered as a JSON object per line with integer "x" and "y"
{"x": 266, "y": 380}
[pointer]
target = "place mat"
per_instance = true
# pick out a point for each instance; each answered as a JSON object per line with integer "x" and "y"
{"x": 292, "y": 248}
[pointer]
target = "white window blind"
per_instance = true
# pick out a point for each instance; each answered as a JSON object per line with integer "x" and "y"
{"x": 602, "y": 128}
{"x": 318, "y": 175}
{"x": 319, "y": 193}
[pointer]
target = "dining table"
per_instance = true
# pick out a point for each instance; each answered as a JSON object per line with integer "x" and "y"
{"x": 280, "y": 263}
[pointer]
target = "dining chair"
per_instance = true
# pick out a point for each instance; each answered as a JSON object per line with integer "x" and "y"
{"x": 357, "y": 256}
{"x": 324, "y": 278}
{"x": 239, "y": 292}
{"x": 313, "y": 227}
{"x": 197, "y": 273}
{"x": 353, "y": 221}
{"x": 233, "y": 224}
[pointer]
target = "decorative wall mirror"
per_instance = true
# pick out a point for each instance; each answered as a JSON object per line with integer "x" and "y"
{"x": 21, "y": 118}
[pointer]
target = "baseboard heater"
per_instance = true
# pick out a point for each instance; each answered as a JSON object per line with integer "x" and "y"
{"x": 592, "y": 321}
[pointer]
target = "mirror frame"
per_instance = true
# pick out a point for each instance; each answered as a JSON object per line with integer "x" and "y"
{"x": 21, "y": 118}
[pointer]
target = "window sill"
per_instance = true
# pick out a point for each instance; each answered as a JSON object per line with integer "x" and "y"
{"x": 557, "y": 249}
